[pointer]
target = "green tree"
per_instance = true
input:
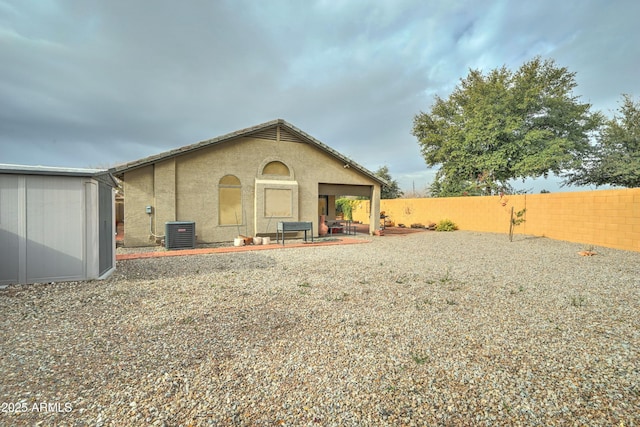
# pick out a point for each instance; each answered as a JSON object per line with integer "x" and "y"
{"x": 443, "y": 187}
{"x": 505, "y": 125}
{"x": 482, "y": 185}
{"x": 615, "y": 157}
{"x": 392, "y": 190}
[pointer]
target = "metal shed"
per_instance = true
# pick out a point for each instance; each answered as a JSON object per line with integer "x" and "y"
{"x": 56, "y": 224}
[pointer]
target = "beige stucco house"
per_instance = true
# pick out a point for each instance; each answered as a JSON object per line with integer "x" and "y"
{"x": 244, "y": 182}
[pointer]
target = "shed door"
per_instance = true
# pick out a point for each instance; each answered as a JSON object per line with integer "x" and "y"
{"x": 55, "y": 220}
{"x": 105, "y": 235}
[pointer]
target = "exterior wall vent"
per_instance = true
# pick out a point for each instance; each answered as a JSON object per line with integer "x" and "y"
{"x": 180, "y": 235}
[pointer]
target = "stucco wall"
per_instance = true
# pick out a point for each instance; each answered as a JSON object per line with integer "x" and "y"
{"x": 191, "y": 181}
{"x": 165, "y": 199}
{"x": 138, "y": 190}
{"x": 609, "y": 218}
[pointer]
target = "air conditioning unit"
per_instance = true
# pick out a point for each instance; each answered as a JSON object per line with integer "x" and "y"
{"x": 180, "y": 235}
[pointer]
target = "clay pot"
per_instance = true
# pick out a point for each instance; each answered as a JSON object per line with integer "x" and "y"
{"x": 322, "y": 227}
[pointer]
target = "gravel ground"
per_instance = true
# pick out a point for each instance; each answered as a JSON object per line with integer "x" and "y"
{"x": 457, "y": 328}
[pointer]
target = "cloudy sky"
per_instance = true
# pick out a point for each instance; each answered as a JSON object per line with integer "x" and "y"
{"x": 95, "y": 83}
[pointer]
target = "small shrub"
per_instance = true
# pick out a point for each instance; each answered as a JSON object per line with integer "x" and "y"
{"x": 578, "y": 301}
{"x": 420, "y": 360}
{"x": 516, "y": 221}
{"x": 446, "y": 278}
{"x": 187, "y": 320}
{"x": 345, "y": 207}
{"x": 417, "y": 225}
{"x": 446, "y": 225}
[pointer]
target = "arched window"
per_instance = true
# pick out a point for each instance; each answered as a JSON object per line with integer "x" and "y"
{"x": 230, "y": 201}
{"x": 276, "y": 168}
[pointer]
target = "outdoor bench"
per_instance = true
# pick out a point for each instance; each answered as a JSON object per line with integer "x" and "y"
{"x": 284, "y": 227}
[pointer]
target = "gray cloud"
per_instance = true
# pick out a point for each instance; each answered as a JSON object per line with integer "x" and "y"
{"x": 88, "y": 84}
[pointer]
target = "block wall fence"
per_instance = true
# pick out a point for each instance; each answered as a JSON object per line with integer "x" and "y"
{"x": 609, "y": 218}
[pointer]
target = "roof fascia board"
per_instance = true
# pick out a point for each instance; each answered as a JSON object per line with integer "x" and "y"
{"x": 125, "y": 167}
{"x": 119, "y": 170}
{"x": 324, "y": 147}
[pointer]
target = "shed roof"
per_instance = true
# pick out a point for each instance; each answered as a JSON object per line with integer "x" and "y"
{"x": 102, "y": 174}
{"x": 119, "y": 170}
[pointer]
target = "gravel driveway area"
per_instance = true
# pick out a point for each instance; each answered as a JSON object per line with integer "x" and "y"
{"x": 431, "y": 328}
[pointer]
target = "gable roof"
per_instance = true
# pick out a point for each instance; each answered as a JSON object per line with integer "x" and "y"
{"x": 119, "y": 170}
